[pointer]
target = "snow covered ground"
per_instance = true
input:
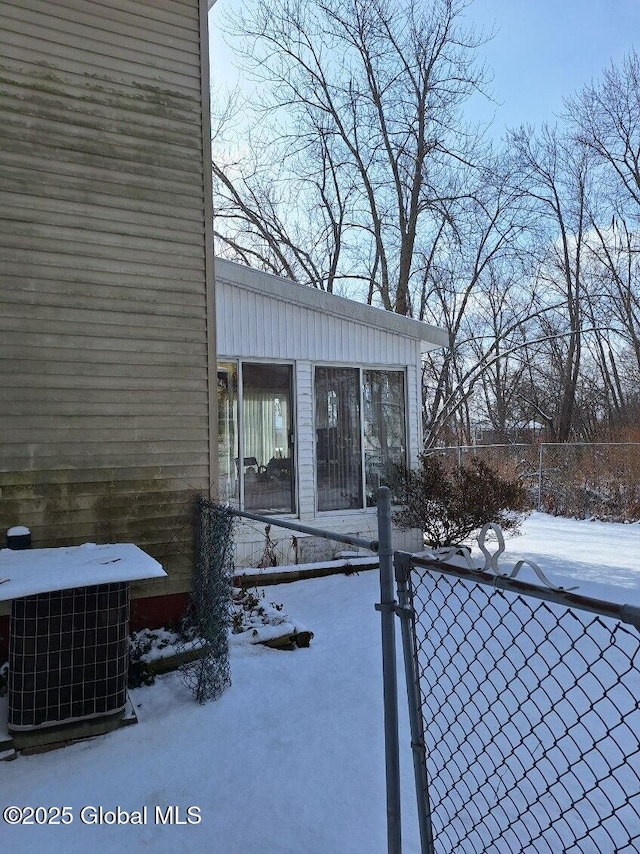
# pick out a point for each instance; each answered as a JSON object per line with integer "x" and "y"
{"x": 291, "y": 758}
{"x": 602, "y": 558}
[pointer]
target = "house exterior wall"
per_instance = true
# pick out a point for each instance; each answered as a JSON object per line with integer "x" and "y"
{"x": 106, "y": 280}
{"x": 258, "y": 321}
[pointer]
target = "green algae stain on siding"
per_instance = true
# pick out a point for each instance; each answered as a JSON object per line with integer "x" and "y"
{"x": 157, "y": 516}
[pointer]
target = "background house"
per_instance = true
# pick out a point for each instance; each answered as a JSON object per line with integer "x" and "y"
{"x": 319, "y": 397}
{"x": 107, "y": 349}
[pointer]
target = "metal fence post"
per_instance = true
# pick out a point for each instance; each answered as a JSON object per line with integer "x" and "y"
{"x": 540, "y": 468}
{"x": 402, "y": 562}
{"x": 387, "y": 608}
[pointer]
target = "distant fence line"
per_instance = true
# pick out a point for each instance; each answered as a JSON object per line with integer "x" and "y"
{"x": 578, "y": 479}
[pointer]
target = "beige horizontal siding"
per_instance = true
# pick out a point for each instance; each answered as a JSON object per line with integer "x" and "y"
{"x": 90, "y": 218}
{"x": 57, "y": 345}
{"x": 100, "y": 24}
{"x": 134, "y": 191}
{"x": 48, "y": 356}
{"x": 88, "y": 115}
{"x": 90, "y": 145}
{"x": 33, "y": 270}
{"x": 23, "y": 483}
{"x": 150, "y": 387}
{"x": 104, "y": 339}
{"x": 134, "y": 102}
{"x": 32, "y": 48}
{"x": 100, "y": 439}
{"x": 124, "y": 406}
{"x": 158, "y": 15}
{"x": 15, "y": 243}
{"x": 54, "y": 293}
{"x": 44, "y": 38}
{"x": 158, "y": 518}
{"x": 152, "y": 507}
{"x": 118, "y": 322}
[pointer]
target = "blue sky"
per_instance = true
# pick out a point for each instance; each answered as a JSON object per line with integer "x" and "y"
{"x": 543, "y": 50}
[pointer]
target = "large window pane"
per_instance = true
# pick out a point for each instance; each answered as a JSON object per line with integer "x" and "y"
{"x": 228, "y": 431}
{"x": 267, "y": 464}
{"x": 338, "y": 442}
{"x": 385, "y": 445}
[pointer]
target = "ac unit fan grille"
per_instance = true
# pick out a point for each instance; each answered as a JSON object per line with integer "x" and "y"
{"x": 68, "y": 655}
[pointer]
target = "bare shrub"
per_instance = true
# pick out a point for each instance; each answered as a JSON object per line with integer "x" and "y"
{"x": 450, "y": 502}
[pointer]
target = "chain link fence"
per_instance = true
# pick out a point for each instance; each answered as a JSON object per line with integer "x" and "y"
{"x": 209, "y": 614}
{"x": 529, "y": 714}
{"x": 523, "y": 698}
{"x": 568, "y": 479}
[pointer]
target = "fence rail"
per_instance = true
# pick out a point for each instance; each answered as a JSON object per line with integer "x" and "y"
{"x": 523, "y": 706}
{"x": 386, "y": 606}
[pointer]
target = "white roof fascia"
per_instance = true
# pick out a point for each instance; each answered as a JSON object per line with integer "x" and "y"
{"x": 239, "y": 275}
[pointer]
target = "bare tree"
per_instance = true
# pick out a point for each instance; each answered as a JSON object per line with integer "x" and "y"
{"x": 269, "y": 217}
{"x": 605, "y": 117}
{"x": 479, "y": 287}
{"x": 556, "y": 174}
{"x": 614, "y": 308}
{"x": 507, "y": 308}
{"x": 360, "y": 110}
{"x": 351, "y": 169}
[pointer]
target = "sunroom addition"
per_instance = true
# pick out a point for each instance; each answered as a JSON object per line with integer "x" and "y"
{"x": 319, "y": 400}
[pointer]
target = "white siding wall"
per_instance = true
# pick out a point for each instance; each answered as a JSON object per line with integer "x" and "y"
{"x": 262, "y": 327}
{"x": 305, "y": 437}
{"x": 250, "y": 539}
{"x": 414, "y": 408}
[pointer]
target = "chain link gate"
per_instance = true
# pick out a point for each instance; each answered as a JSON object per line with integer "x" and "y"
{"x": 524, "y": 712}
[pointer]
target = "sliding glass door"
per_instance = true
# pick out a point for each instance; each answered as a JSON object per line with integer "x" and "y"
{"x": 229, "y": 489}
{"x": 338, "y": 441}
{"x": 255, "y": 452}
{"x": 385, "y": 446}
{"x": 360, "y": 434}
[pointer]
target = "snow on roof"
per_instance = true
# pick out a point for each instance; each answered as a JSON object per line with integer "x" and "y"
{"x": 286, "y": 290}
{"x": 31, "y": 571}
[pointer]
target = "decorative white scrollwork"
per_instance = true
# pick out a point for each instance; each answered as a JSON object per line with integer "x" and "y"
{"x": 491, "y": 560}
